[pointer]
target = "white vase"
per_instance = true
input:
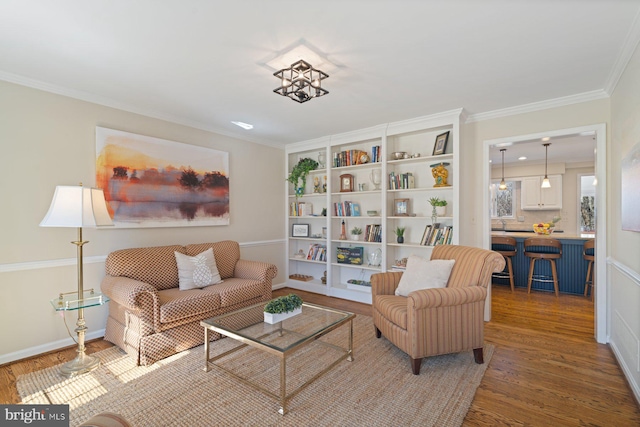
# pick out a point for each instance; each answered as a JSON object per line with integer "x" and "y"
{"x": 272, "y": 318}
{"x": 355, "y": 237}
{"x": 441, "y": 210}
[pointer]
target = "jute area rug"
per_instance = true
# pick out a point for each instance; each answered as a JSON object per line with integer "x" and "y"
{"x": 376, "y": 389}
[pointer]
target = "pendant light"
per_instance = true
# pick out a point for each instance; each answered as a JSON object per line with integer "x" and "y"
{"x": 503, "y": 185}
{"x": 545, "y": 180}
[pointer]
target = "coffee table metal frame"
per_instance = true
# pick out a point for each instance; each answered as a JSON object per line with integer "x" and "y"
{"x": 211, "y": 325}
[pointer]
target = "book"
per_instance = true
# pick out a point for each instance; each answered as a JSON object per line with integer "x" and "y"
{"x": 350, "y": 255}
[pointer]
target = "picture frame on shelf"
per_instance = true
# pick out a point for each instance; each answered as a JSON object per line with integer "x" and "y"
{"x": 401, "y": 207}
{"x": 300, "y": 230}
{"x": 440, "y": 145}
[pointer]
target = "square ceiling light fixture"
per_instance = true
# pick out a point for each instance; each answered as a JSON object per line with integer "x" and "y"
{"x": 299, "y": 80}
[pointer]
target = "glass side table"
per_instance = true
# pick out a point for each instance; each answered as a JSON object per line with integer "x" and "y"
{"x": 70, "y": 301}
{"x": 74, "y": 301}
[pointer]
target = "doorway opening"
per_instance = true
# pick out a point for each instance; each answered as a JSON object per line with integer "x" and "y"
{"x": 596, "y": 133}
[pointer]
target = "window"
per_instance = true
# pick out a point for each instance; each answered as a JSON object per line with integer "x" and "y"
{"x": 503, "y": 202}
{"x": 587, "y": 203}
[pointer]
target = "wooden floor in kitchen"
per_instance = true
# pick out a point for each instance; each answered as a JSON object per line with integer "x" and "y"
{"x": 547, "y": 369}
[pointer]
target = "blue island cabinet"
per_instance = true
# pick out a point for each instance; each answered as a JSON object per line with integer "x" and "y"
{"x": 572, "y": 267}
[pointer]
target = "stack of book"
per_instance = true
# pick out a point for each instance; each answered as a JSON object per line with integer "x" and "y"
{"x": 354, "y": 157}
{"x": 401, "y": 181}
{"x": 373, "y": 233}
{"x": 300, "y": 209}
{"x": 348, "y": 158}
{"x": 346, "y": 208}
{"x": 376, "y": 154}
{"x": 317, "y": 252}
{"x": 435, "y": 235}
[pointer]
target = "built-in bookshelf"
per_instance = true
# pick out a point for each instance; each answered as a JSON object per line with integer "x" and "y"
{"x": 364, "y": 185}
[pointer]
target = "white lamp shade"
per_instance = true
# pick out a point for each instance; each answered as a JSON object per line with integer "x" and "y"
{"x": 545, "y": 183}
{"x": 76, "y": 206}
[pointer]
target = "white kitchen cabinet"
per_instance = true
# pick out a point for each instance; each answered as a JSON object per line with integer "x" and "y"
{"x": 533, "y": 197}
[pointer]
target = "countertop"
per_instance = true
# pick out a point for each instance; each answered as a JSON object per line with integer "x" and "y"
{"x": 564, "y": 235}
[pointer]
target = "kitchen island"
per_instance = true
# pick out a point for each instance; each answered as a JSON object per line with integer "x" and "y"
{"x": 572, "y": 267}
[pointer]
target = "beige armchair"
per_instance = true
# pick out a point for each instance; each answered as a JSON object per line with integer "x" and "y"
{"x": 430, "y": 322}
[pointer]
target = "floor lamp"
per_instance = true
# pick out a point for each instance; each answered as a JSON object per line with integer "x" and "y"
{"x": 76, "y": 206}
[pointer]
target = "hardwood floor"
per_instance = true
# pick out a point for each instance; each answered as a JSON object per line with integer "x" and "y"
{"x": 547, "y": 369}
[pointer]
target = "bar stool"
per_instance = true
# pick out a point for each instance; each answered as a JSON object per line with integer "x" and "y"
{"x": 588, "y": 253}
{"x": 505, "y": 246}
{"x": 543, "y": 248}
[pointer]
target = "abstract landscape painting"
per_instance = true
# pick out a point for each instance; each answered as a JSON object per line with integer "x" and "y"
{"x": 152, "y": 182}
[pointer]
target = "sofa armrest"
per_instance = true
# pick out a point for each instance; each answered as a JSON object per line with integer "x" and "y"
{"x": 385, "y": 283}
{"x": 445, "y": 297}
{"x": 126, "y": 291}
{"x": 255, "y": 270}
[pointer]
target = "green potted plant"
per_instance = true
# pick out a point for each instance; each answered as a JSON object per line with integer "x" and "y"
{"x": 355, "y": 233}
{"x": 282, "y": 308}
{"x": 400, "y": 234}
{"x": 298, "y": 175}
{"x": 439, "y": 206}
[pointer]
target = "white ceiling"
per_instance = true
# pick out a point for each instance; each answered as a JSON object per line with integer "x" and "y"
{"x": 569, "y": 149}
{"x": 201, "y": 62}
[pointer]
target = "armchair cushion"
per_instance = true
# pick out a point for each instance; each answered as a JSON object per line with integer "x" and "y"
{"x": 197, "y": 271}
{"x": 394, "y": 309}
{"x": 424, "y": 274}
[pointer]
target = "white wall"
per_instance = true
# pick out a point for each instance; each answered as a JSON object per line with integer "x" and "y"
{"x": 48, "y": 140}
{"x": 624, "y": 253}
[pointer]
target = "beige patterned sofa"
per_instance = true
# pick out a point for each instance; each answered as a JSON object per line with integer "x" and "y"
{"x": 431, "y": 322}
{"x": 151, "y": 318}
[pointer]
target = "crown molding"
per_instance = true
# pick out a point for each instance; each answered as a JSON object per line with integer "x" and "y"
{"x": 626, "y": 52}
{"x": 108, "y": 102}
{"x": 537, "y": 106}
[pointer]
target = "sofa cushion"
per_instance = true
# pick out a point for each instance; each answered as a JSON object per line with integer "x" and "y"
{"x": 227, "y": 254}
{"x": 424, "y": 274}
{"x": 393, "y": 308}
{"x": 177, "y": 305}
{"x": 197, "y": 271}
{"x": 235, "y": 291}
{"x": 156, "y": 265}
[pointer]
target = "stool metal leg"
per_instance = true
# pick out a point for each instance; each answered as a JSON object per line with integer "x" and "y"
{"x": 554, "y": 272}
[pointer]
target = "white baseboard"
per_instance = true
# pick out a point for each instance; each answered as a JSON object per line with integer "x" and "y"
{"x": 43, "y": 348}
{"x": 628, "y": 373}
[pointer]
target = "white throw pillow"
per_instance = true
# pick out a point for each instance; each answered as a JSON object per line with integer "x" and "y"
{"x": 197, "y": 271}
{"x": 424, "y": 274}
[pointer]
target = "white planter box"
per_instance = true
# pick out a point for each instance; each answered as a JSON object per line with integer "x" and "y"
{"x": 279, "y": 317}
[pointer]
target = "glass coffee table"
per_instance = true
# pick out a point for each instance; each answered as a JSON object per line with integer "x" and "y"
{"x": 281, "y": 339}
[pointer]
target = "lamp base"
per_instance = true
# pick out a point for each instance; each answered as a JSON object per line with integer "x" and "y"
{"x": 80, "y": 365}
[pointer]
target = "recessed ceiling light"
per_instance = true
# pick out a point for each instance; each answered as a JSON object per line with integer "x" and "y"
{"x": 522, "y": 158}
{"x": 243, "y": 125}
{"x": 546, "y": 138}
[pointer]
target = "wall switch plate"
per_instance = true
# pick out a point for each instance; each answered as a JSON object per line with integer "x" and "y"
{"x": 521, "y": 219}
